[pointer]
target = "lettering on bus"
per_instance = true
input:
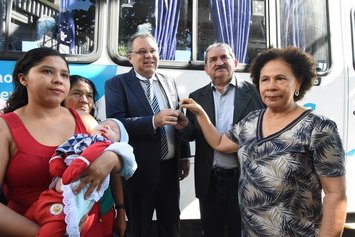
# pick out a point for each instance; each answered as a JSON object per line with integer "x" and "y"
{"x": 5, "y": 86}
{"x": 5, "y": 95}
{"x": 7, "y": 78}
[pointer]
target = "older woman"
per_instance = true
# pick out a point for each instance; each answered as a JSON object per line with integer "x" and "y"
{"x": 82, "y": 94}
{"x": 288, "y": 155}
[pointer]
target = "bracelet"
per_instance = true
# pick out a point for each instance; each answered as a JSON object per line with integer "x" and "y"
{"x": 120, "y": 206}
{"x": 117, "y": 208}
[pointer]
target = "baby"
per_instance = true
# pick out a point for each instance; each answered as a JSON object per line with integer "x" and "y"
{"x": 58, "y": 210}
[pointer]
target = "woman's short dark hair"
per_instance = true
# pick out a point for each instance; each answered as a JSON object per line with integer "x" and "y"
{"x": 301, "y": 63}
{"x": 74, "y": 79}
{"x": 30, "y": 59}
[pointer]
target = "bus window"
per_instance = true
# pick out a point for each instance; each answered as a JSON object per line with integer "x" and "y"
{"x": 173, "y": 26}
{"x": 297, "y": 30}
{"x": 185, "y": 28}
{"x": 168, "y": 21}
{"x": 66, "y": 25}
{"x": 239, "y": 23}
{"x": 3, "y": 8}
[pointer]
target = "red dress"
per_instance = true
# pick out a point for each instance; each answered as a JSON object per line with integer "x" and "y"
{"x": 27, "y": 174}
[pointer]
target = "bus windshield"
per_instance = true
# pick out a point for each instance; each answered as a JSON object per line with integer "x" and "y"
{"x": 183, "y": 28}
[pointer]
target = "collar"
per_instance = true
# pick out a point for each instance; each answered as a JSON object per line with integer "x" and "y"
{"x": 140, "y": 77}
{"x": 233, "y": 82}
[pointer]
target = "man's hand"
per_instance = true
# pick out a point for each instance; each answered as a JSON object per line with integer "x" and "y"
{"x": 182, "y": 121}
{"x": 166, "y": 117}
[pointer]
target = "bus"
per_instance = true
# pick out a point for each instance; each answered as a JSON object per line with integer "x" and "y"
{"x": 93, "y": 36}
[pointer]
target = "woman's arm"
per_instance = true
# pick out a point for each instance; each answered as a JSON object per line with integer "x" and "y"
{"x": 11, "y": 223}
{"x": 117, "y": 192}
{"x": 217, "y": 141}
{"x": 334, "y": 206}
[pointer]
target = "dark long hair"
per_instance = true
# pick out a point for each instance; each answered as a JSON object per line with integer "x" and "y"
{"x": 33, "y": 57}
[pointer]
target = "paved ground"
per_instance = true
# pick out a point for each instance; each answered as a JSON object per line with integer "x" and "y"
{"x": 193, "y": 229}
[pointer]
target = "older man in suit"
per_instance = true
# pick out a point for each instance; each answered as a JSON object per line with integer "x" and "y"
{"x": 146, "y": 101}
{"x": 226, "y": 101}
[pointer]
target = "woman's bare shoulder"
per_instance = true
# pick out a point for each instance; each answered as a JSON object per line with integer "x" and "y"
{"x": 7, "y": 147}
{"x": 88, "y": 120}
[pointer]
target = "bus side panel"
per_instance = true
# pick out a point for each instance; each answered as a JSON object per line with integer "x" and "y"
{"x": 6, "y": 68}
{"x": 348, "y": 9}
{"x": 351, "y": 143}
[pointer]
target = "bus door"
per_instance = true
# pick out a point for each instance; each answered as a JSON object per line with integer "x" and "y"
{"x": 350, "y": 151}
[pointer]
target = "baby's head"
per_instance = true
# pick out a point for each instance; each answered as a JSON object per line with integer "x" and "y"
{"x": 112, "y": 129}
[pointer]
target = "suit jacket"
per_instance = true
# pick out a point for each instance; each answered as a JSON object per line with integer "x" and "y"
{"x": 126, "y": 100}
{"x": 246, "y": 99}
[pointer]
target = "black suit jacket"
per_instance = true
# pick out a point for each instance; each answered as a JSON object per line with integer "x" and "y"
{"x": 247, "y": 99}
{"x": 126, "y": 101}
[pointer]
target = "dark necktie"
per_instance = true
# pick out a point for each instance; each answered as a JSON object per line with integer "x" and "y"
{"x": 155, "y": 107}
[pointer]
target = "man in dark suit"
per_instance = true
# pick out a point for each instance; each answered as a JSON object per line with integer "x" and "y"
{"x": 226, "y": 101}
{"x": 130, "y": 98}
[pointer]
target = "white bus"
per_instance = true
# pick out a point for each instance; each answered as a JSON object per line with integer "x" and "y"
{"x": 93, "y": 35}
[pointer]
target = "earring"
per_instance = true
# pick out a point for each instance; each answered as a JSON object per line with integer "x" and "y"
{"x": 297, "y": 93}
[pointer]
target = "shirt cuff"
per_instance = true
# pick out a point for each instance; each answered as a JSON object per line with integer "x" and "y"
{"x": 153, "y": 122}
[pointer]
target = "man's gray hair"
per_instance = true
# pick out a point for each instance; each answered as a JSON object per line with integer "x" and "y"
{"x": 222, "y": 45}
{"x": 139, "y": 35}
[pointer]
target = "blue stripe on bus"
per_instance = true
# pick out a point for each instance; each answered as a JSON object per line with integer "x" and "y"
{"x": 351, "y": 153}
{"x": 97, "y": 73}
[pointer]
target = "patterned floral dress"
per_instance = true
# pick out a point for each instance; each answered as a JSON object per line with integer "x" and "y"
{"x": 279, "y": 187}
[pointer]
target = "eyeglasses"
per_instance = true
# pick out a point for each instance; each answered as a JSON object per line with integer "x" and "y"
{"x": 144, "y": 52}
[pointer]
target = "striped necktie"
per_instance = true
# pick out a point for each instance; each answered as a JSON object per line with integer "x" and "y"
{"x": 155, "y": 107}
